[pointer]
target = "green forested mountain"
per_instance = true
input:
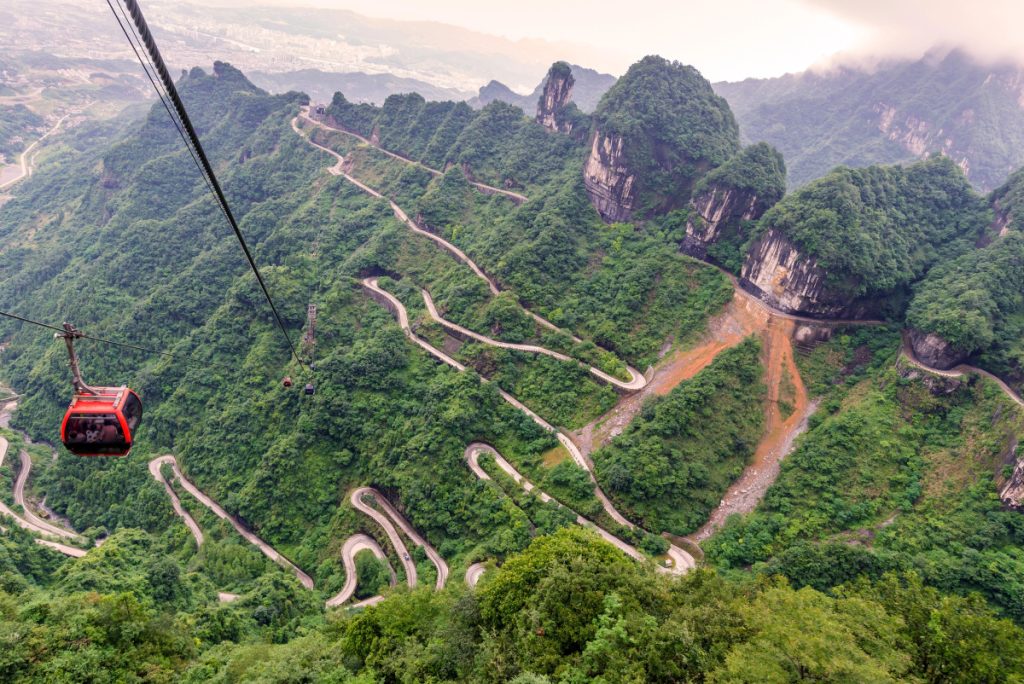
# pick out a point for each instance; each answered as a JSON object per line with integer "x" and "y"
{"x": 881, "y": 553}
{"x": 877, "y": 229}
{"x": 664, "y": 124}
{"x": 945, "y": 103}
{"x": 18, "y": 123}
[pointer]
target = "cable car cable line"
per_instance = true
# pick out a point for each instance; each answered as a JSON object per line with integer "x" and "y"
{"x": 156, "y": 87}
{"x": 156, "y": 59}
{"x": 115, "y": 343}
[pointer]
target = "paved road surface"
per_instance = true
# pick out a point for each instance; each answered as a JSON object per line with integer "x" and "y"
{"x": 352, "y": 546}
{"x": 391, "y": 515}
{"x": 473, "y": 573}
{"x": 190, "y": 523}
{"x": 959, "y": 371}
{"x": 247, "y": 534}
{"x": 26, "y": 156}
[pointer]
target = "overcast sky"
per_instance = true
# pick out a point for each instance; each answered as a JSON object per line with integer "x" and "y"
{"x": 725, "y": 39}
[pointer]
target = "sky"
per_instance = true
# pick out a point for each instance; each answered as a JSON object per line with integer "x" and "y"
{"x": 725, "y": 39}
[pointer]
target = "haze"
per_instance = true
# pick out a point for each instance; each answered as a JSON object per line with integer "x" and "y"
{"x": 726, "y": 40}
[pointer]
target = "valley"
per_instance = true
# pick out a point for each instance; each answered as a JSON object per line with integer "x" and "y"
{"x": 522, "y": 383}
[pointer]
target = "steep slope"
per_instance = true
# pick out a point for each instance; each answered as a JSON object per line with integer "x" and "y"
{"x": 138, "y": 252}
{"x": 728, "y": 201}
{"x": 656, "y": 132}
{"x": 590, "y": 87}
{"x": 943, "y": 103}
{"x": 850, "y": 244}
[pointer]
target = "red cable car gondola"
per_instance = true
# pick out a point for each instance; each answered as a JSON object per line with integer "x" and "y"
{"x": 100, "y": 421}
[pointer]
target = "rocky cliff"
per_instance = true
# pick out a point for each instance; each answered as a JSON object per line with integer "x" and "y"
{"x": 713, "y": 209}
{"x": 609, "y": 182}
{"x": 555, "y": 97}
{"x": 932, "y": 350}
{"x": 728, "y": 199}
{"x": 656, "y": 132}
{"x": 781, "y": 276}
{"x": 1012, "y": 493}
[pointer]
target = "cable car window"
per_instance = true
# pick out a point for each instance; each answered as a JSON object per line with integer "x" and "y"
{"x": 95, "y": 433}
{"x": 132, "y": 411}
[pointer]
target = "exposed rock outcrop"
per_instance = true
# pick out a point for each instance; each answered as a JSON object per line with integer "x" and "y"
{"x": 1012, "y": 493}
{"x": 608, "y": 179}
{"x": 938, "y": 385}
{"x": 555, "y": 98}
{"x": 656, "y": 133}
{"x": 934, "y": 351}
{"x": 780, "y": 275}
{"x": 727, "y": 199}
{"x": 713, "y": 208}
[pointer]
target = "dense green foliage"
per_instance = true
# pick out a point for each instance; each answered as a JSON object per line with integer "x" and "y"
{"x": 898, "y": 111}
{"x": 674, "y": 129}
{"x": 122, "y": 239}
{"x": 627, "y": 290}
{"x": 18, "y": 125}
{"x": 757, "y": 171}
{"x": 876, "y": 230}
{"x": 496, "y": 145}
{"x": 670, "y": 467}
{"x": 977, "y": 300}
{"x": 568, "y": 609}
{"x": 898, "y": 471}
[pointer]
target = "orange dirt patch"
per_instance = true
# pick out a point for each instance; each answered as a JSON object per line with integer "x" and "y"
{"x": 780, "y": 368}
{"x": 741, "y": 318}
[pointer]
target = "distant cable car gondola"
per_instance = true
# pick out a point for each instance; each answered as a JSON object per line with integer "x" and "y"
{"x": 287, "y": 382}
{"x": 309, "y": 388}
{"x": 100, "y": 421}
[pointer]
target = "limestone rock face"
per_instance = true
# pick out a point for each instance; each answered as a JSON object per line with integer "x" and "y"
{"x": 1012, "y": 493}
{"x": 555, "y": 97}
{"x": 714, "y": 208}
{"x": 934, "y": 351}
{"x": 609, "y": 182}
{"x": 781, "y": 276}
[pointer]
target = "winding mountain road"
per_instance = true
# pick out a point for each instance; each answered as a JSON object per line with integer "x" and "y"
{"x": 338, "y": 170}
{"x": 681, "y": 561}
{"x": 518, "y": 198}
{"x": 217, "y": 510}
{"x": 31, "y": 522}
{"x": 907, "y": 352}
{"x": 352, "y": 546}
{"x": 27, "y": 156}
{"x": 396, "y": 307}
{"x": 637, "y": 381}
{"x": 387, "y": 520}
{"x": 190, "y": 522}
